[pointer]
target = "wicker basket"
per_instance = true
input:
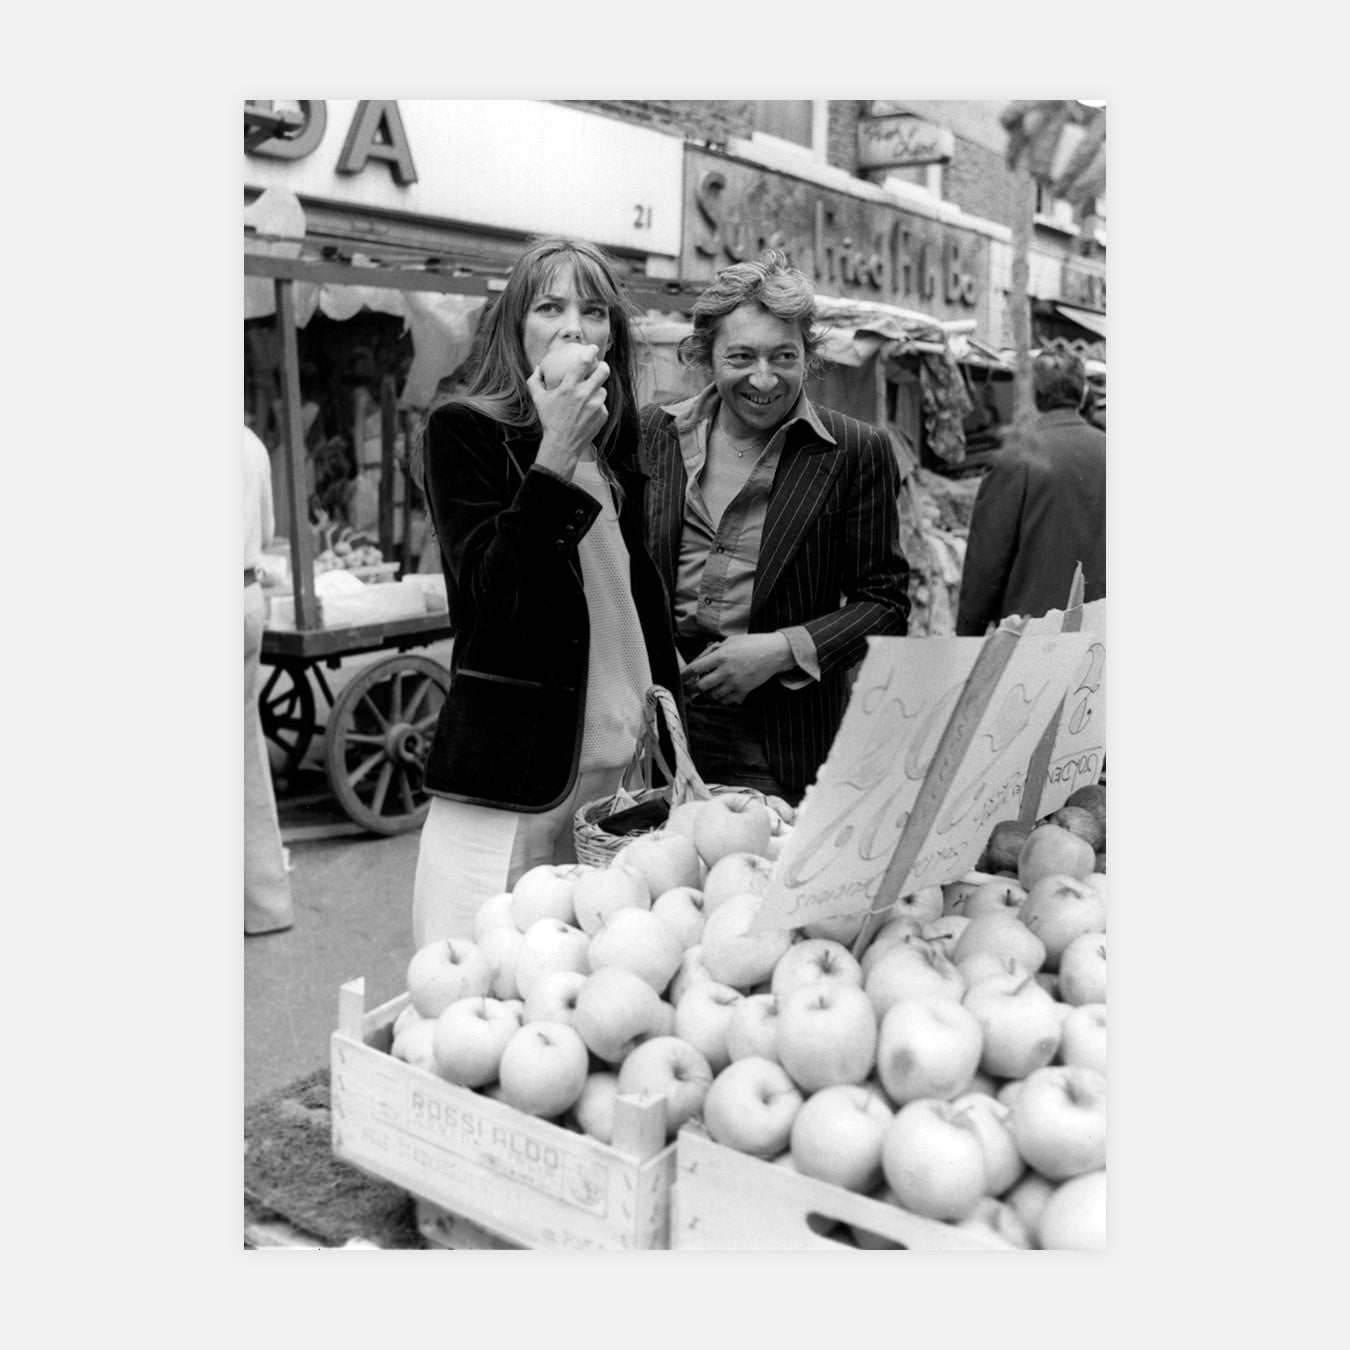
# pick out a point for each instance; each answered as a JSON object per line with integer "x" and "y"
{"x": 593, "y": 843}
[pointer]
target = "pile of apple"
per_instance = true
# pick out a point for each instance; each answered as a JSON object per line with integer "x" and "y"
{"x": 956, "y": 1068}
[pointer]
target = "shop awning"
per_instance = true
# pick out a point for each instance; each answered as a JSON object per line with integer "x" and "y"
{"x": 1084, "y": 318}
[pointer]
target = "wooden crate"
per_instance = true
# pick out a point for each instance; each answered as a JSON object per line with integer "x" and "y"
{"x": 523, "y": 1179}
{"x": 727, "y": 1201}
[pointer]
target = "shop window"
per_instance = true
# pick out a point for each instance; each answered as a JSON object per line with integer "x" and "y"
{"x": 925, "y": 177}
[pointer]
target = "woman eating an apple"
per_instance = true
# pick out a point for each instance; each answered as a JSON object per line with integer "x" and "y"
{"x": 560, "y": 618}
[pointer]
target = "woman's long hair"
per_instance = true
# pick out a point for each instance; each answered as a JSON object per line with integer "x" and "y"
{"x": 497, "y": 385}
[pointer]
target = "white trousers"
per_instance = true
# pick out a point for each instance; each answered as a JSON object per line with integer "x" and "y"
{"x": 267, "y": 887}
{"x": 468, "y": 854}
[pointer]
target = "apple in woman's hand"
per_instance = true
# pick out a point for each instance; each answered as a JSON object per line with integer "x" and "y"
{"x": 563, "y": 357}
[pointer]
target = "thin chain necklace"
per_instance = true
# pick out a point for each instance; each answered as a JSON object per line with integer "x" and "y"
{"x": 740, "y": 447}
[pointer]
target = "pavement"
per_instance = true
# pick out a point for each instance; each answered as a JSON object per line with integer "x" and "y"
{"x": 353, "y": 917}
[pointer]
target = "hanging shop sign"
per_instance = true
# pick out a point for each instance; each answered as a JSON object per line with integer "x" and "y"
{"x": 852, "y": 247}
{"x": 902, "y": 141}
{"x": 1083, "y": 286}
{"x": 504, "y": 164}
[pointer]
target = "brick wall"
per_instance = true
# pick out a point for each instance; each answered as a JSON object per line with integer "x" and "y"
{"x": 980, "y": 183}
{"x": 710, "y": 120}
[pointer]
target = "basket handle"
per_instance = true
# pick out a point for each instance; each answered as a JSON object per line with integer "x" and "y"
{"x": 685, "y": 783}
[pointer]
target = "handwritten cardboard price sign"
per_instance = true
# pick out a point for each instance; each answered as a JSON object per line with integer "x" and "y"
{"x": 1079, "y": 746}
{"x": 931, "y": 754}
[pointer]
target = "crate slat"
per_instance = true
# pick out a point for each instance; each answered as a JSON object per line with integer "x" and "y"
{"x": 728, "y": 1201}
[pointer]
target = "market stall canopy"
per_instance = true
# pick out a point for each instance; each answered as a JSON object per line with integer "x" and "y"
{"x": 1084, "y": 318}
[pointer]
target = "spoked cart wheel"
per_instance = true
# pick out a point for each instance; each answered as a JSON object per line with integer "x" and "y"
{"x": 286, "y": 709}
{"x": 377, "y": 739}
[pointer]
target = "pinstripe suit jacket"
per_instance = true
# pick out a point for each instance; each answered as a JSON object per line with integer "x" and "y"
{"x": 829, "y": 559}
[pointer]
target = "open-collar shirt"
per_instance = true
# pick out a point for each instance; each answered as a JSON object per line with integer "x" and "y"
{"x": 715, "y": 578}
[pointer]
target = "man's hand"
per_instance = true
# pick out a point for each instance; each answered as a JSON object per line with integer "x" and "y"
{"x": 728, "y": 670}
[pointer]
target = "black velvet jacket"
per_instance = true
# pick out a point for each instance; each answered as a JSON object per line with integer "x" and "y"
{"x": 509, "y": 732}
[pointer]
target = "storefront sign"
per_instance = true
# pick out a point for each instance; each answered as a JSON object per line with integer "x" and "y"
{"x": 517, "y": 165}
{"x": 902, "y": 141}
{"x": 1082, "y": 286}
{"x": 852, "y": 820}
{"x": 851, "y": 247}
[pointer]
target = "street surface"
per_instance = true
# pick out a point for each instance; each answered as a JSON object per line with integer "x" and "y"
{"x": 353, "y": 917}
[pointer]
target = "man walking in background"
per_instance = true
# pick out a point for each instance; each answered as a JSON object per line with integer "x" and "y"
{"x": 1040, "y": 510}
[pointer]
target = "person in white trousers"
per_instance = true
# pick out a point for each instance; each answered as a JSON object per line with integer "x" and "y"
{"x": 268, "y": 907}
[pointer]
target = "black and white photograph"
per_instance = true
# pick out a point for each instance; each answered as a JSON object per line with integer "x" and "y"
{"x": 675, "y": 675}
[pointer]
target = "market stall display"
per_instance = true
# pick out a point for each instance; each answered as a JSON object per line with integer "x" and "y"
{"x": 622, "y": 1027}
{"x": 877, "y": 1019}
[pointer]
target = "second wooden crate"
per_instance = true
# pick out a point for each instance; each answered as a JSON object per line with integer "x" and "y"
{"x": 730, "y": 1202}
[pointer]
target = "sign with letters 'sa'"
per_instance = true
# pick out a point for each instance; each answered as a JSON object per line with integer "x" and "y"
{"x": 852, "y": 818}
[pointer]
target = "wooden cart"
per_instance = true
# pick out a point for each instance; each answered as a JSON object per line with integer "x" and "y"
{"x": 377, "y": 730}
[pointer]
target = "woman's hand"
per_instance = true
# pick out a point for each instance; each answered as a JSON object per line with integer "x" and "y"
{"x": 572, "y": 414}
{"x": 728, "y": 670}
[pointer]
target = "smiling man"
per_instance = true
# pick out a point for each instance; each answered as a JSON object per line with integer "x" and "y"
{"x": 775, "y": 526}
